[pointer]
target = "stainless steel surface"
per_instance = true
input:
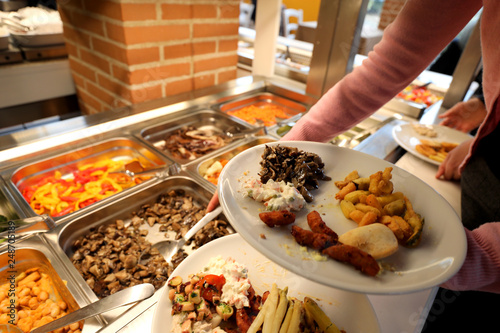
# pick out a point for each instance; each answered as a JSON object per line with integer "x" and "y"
{"x": 411, "y": 109}
{"x": 382, "y": 144}
{"x": 358, "y": 138}
{"x": 19, "y": 226}
{"x": 235, "y": 133}
{"x": 294, "y": 65}
{"x": 7, "y": 208}
{"x": 160, "y": 172}
{"x": 466, "y": 69}
{"x": 121, "y": 298}
{"x": 337, "y": 40}
{"x": 168, "y": 248}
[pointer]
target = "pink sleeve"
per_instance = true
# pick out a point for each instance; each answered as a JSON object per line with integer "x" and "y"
{"x": 481, "y": 269}
{"x": 408, "y": 46}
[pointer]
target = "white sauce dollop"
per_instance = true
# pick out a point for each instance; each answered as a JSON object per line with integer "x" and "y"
{"x": 235, "y": 290}
{"x": 274, "y": 195}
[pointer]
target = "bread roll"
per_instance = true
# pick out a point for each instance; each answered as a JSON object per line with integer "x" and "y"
{"x": 376, "y": 239}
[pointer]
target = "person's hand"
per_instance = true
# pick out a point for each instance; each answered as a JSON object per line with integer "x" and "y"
{"x": 214, "y": 202}
{"x": 464, "y": 116}
{"x": 450, "y": 168}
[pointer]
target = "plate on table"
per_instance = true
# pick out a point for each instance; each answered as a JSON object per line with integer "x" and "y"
{"x": 352, "y": 312}
{"x": 439, "y": 255}
{"x": 408, "y": 138}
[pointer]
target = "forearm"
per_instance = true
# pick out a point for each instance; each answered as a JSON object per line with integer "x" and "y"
{"x": 393, "y": 64}
{"x": 481, "y": 269}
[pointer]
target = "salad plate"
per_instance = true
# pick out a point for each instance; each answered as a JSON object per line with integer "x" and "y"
{"x": 352, "y": 312}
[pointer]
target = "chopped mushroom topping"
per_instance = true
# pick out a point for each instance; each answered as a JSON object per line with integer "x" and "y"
{"x": 302, "y": 169}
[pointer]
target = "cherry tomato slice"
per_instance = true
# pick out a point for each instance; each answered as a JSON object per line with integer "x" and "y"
{"x": 211, "y": 285}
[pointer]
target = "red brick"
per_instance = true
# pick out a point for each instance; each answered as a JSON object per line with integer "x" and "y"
{"x": 214, "y": 29}
{"x": 138, "y": 12}
{"x": 177, "y": 51}
{"x": 87, "y": 23}
{"x": 156, "y": 33}
{"x": 148, "y": 93}
{"x": 95, "y": 60}
{"x": 115, "y": 32}
{"x": 101, "y": 94}
{"x": 121, "y": 74}
{"x": 159, "y": 73}
{"x": 176, "y": 11}
{"x": 73, "y": 4}
{"x": 228, "y": 45}
{"x": 88, "y": 100}
{"x": 204, "y": 48}
{"x": 109, "y": 49}
{"x": 76, "y": 36}
{"x": 79, "y": 81}
{"x": 82, "y": 69}
{"x": 204, "y": 81}
{"x": 215, "y": 63}
{"x": 226, "y": 76}
{"x": 114, "y": 86}
{"x": 122, "y": 11}
{"x": 230, "y": 11}
{"x": 72, "y": 49}
{"x": 204, "y": 11}
{"x": 103, "y": 7}
{"x": 179, "y": 87}
{"x": 142, "y": 55}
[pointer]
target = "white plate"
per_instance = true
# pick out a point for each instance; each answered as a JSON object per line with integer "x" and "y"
{"x": 350, "y": 311}
{"x": 406, "y": 136}
{"x": 439, "y": 255}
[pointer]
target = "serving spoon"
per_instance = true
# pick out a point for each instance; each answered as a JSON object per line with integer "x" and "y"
{"x": 135, "y": 169}
{"x": 130, "y": 295}
{"x": 234, "y": 132}
{"x": 168, "y": 248}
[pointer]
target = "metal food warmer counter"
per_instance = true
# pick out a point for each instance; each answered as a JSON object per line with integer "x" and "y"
{"x": 84, "y": 244}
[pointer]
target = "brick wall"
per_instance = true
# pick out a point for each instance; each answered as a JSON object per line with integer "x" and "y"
{"x": 123, "y": 52}
{"x": 389, "y": 12}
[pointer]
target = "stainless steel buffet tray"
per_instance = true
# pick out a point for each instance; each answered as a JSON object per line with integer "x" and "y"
{"x": 291, "y": 108}
{"x": 200, "y": 168}
{"x": 206, "y": 120}
{"x": 7, "y": 208}
{"x": 34, "y": 252}
{"x": 116, "y": 149}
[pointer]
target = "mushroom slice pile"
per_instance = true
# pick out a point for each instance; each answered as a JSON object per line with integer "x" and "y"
{"x": 289, "y": 164}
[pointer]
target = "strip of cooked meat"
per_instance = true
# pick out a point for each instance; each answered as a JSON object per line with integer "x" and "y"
{"x": 355, "y": 257}
{"x": 277, "y": 218}
{"x": 317, "y": 224}
{"x": 311, "y": 239}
